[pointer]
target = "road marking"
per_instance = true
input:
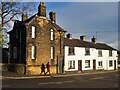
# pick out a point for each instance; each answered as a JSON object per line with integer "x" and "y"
{"x": 56, "y": 82}
{"x": 97, "y": 78}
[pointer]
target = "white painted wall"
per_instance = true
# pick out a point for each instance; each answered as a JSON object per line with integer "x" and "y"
{"x": 80, "y": 55}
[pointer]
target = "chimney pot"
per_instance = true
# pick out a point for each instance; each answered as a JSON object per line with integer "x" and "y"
{"x": 42, "y": 9}
{"x": 69, "y": 36}
{"x": 52, "y": 16}
{"x": 24, "y": 17}
{"x": 94, "y": 40}
{"x": 83, "y": 38}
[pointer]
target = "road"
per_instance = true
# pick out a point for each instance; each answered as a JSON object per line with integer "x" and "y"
{"x": 101, "y": 80}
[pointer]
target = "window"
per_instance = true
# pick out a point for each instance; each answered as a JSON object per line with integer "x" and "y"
{"x": 33, "y": 31}
{"x": 52, "y": 35}
{"x": 52, "y": 52}
{"x": 110, "y": 52}
{"x": 87, "y": 51}
{"x": 99, "y": 53}
{"x": 14, "y": 52}
{"x": 100, "y": 63}
{"x": 87, "y": 63}
{"x": 71, "y": 51}
{"x": 71, "y": 64}
{"x": 110, "y": 63}
{"x": 33, "y": 52}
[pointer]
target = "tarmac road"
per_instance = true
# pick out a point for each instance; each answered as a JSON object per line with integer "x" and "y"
{"x": 98, "y": 80}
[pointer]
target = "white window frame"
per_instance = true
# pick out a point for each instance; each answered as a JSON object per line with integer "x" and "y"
{"x": 100, "y": 64}
{"x": 52, "y": 34}
{"x": 99, "y": 53}
{"x": 33, "y": 52}
{"x": 110, "y": 63}
{"x": 14, "y": 52}
{"x": 33, "y": 31}
{"x": 71, "y": 64}
{"x": 110, "y": 53}
{"x": 52, "y": 52}
{"x": 87, "y": 63}
{"x": 87, "y": 51}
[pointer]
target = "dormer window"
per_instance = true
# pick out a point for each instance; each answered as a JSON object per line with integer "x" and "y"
{"x": 52, "y": 34}
{"x": 33, "y": 31}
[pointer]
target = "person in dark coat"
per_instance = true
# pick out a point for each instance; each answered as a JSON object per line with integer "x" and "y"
{"x": 42, "y": 69}
{"x": 48, "y": 67}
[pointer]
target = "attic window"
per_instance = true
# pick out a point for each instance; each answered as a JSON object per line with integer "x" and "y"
{"x": 33, "y": 31}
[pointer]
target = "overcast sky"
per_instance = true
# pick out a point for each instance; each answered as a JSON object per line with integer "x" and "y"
{"x": 99, "y": 19}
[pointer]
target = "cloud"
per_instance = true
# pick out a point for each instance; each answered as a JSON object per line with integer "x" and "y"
{"x": 90, "y": 19}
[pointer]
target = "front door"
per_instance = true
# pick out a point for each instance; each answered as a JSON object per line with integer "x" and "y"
{"x": 114, "y": 64}
{"x": 79, "y": 65}
{"x": 94, "y": 64}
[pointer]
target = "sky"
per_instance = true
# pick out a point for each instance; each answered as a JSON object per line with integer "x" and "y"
{"x": 99, "y": 19}
{"x": 93, "y": 18}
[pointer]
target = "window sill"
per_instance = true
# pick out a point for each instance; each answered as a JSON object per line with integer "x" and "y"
{"x": 87, "y": 54}
{"x": 87, "y": 67}
{"x": 70, "y": 68}
{"x": 70, "y": 54}
{"x": 100, "y": 56}
{"x": 100, "y": 66}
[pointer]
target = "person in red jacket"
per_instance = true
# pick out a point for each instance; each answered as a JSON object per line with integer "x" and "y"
{"x": 48, "y": 67}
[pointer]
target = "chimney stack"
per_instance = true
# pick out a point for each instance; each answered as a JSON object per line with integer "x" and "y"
{"x": 69, "y": 36}
{"x": 94, "y": 40}
{"x": 24, "y": 17}
{"x": 42, "y": 9}
{"x": 52, "y": 16}
{"x": 83, "y": 38}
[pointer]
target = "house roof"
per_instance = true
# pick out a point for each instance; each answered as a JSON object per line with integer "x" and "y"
{"x": 54, "y": 24}
{"x": 80, "y": 43}
{"x": 21, "y": 23}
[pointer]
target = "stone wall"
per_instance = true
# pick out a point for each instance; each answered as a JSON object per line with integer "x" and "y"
{"x": 36, "y": 70}
{"x": 43, "y": 44}
{"x": 16, "y": 68}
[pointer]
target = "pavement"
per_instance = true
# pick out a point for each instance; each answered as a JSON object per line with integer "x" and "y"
{"x": 9, "y": 75}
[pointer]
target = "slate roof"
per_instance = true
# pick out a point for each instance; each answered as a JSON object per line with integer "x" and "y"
{"x": 80, "y": 43}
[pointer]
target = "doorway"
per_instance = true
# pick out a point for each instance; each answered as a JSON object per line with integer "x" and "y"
{"x": 94, "y": 64}
{"x": 114, "y": 64}
{"x": 79, "y": 65}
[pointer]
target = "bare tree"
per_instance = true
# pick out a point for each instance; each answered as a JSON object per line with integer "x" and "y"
{"x": 8, "y": 12}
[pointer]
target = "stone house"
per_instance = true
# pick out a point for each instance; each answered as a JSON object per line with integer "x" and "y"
{"x": 37, "y": 40}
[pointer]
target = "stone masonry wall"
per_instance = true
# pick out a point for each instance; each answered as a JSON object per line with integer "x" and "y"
{"x": 43, "y": 45}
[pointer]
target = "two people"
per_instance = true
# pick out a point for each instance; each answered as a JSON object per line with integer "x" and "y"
{"x": 43, "y": 68}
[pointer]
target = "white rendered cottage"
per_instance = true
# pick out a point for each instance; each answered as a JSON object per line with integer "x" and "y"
{"x": 81, "y": 55}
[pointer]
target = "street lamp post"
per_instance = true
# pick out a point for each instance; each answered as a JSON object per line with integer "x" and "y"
{"x": 61, "y": 56}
